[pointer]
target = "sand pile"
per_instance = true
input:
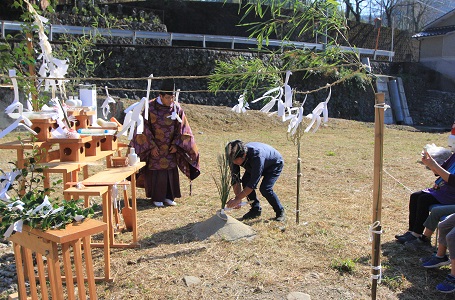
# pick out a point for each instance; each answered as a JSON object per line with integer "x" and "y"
{"x": 217, "y": 228}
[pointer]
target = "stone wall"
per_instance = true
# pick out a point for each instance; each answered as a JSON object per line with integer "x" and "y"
{"x": 136, "y": 62}
{"x": 427, "y": 106}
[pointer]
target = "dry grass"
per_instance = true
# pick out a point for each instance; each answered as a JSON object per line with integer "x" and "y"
{"x": 335, "y": 213}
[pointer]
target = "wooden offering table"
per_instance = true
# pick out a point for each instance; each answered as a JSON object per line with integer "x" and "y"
{"x": 48, "y": 243}
{"x": 110, "y": 178}
{"x": 69, "y": 171}
{"x": 44, "y": 149}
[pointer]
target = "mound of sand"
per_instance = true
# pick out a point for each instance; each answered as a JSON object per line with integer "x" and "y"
{"x": 217, "y": 228}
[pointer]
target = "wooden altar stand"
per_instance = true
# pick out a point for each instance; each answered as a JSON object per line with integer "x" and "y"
{"x": 33, "y": 244}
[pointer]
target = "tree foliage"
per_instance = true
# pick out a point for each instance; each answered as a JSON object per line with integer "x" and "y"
{"x": 24, "y": 186}
{"x": 20, "y": 52}
{"x": 288, "y": 20}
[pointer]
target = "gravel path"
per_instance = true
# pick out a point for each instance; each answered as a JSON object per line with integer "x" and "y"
{"x": 8, "y": 277}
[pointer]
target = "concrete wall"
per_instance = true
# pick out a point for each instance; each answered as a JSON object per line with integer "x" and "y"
{"x": 438, "y": 53}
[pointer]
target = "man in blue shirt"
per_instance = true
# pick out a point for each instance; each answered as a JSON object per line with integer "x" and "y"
{"x": 258, "y": 160}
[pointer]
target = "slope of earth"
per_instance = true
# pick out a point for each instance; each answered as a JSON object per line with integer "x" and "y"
{"x": 326, "y": 255}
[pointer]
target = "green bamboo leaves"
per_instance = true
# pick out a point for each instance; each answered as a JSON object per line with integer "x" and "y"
{"x": 223, "y": 182}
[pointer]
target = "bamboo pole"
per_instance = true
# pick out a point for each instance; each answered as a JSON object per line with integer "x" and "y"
{"x": 299, "y": 175}
{"x": 31, "y": 69}
{"x": 377, "y": 189}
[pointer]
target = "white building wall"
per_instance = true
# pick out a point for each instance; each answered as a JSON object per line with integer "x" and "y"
{"x": 431, "y": 47}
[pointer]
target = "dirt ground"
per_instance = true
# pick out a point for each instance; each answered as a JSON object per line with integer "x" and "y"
{"x": 327, "y": 255}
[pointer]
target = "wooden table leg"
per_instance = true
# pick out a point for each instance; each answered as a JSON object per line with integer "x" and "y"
{"x": 110, "y": 214}
{"x": 106, "y": 239}
{"x": 31, "y": 272}
{"x": 85, "y": 171}
{"x": 20, "y": 271}
{"x": 134, "y": 206}
{"x": 20, "y": 158}
{"x": 66, "y": 257}
{"x": 109, "y": 161}
{"x": 53, "y": 266}
{"x": 47, "y": 181}
{"x": 42, "y": 276}
{"x": 77, "y": 253}
{"x": 89, "y": 267}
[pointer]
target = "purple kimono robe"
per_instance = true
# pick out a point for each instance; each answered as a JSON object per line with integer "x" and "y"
{"x": 160, "y": 131}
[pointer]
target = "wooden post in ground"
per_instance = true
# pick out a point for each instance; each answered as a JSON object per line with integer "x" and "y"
{"x": 299, "y": 175}
{"x": 377, "y": 191}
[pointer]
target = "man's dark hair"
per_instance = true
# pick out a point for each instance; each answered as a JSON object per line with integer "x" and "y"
{"x": 235, "y": 149}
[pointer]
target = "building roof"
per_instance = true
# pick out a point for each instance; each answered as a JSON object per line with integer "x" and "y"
{"x": 439, "y": 20}
{"x": 435, "y": 31}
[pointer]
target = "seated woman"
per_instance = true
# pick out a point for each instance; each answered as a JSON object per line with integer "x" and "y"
{"x": 443, "y": 192}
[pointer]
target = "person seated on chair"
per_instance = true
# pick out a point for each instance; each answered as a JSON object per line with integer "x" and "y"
{"x": 443, "y": 192}
{"x": 437, "y": 214}
{"x": 446, "y": 240}
{"x": 258, "y": 160}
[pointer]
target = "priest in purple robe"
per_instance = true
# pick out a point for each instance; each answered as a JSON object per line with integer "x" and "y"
{"x": 166, "y": 145}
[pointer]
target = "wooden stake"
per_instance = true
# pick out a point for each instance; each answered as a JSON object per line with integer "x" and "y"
{"x": 299, "y": 175}
{"x": 377, "y": 187}
{"x": 31, "y": 70}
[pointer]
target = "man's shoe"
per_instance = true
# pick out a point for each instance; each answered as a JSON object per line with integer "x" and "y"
{"x": 252, "y": 214}
{"x": 406, "y": 238}
{"x": 436, "y": 262}
{"x": 403, "y": 235}
{"x": 448, "y": 286}
{"x": 280, "y": 216}
{"x": 422, "y": 242}
{"x": 158, "y": 204}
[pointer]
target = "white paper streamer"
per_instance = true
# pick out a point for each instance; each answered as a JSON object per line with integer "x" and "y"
{"x": 315, "y": 116}
{"x": 133, "y": 119}
{"x": 78, "y": 218}
{"x": 146, "y": 105}
{"x": 44, "y": 208}
{"x": 242, "y": 105}
{"x": 105, "y": 105}
{"x": 287, "y": 91}
{"x": 15, "y": 124}
{"x": 371, "y": 231}
{"x": 51, "y": 67}
{"x": 12, "y": 75}
{"x": 16, "y": 226}
{"x": 6, "y": 180}
{"x": 20, "y": 108}
{"x": 273, "y": 98}
{"x": 16, "y": 205}
{"x": 174, "y": 115}
{"x": 57, "y": 210}
{"x": 295, "y": 121}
